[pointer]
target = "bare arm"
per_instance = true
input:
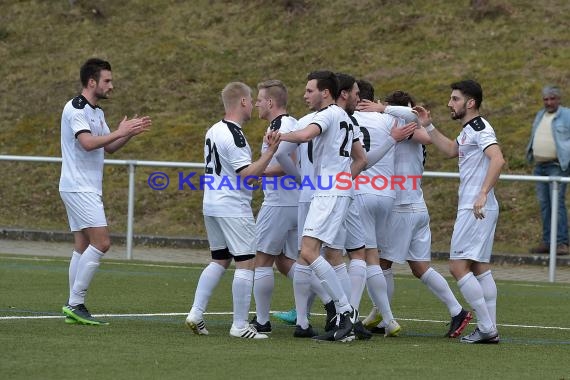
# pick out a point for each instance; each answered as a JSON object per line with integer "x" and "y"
{"x": 366, "y": 105}
{"x": 117, "y": 138}
{"x": 257, "y": 168}
{"x": 443, "y": 143}
{"x": 421, "y": 136}
{"x": 303, "y": 135}
{"x": 496, "y": 164}
{"x": 359, "y": 160}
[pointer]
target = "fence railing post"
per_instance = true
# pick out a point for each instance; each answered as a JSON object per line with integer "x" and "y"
{"x": 553, "y": 229}
{"x": 131, "y": 209}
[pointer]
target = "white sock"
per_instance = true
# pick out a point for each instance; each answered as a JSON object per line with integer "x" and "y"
{"x": 73, "y": 264}
{"x": 318, "y": 290}
{"x": 331, "y": 283}
{"x": 342, "y": 274}
{"x": 377, "y": 289}
{"x": 438, "y": 286}
{"x": 389, "y": 276}
{"x": 473, "y": 294}
{"x": 357, "y": 276}
{"x": 86, "y": 268}
{"x": 312, "y": 298}
{"x": 301, "y": 291}
{"x": 489, "y": 287}
{"x": 209, "y": 279}
{"x": 241, "y": 291}
{"x": 263, "y": 284}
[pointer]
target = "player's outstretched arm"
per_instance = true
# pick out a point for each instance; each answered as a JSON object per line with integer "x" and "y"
{"x": 366, "y": 105}
{"x": 257, "y": 168}
{"x": 302, "y": 135}
{"x": 443, "y": 143}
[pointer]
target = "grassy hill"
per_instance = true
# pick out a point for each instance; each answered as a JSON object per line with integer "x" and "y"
{"x": 172, "y": 58}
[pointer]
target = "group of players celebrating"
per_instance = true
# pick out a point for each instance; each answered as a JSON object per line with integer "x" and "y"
{"x": 307, "y": 232}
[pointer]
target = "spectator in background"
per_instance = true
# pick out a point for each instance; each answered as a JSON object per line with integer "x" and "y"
{"x": 549, "y": 149}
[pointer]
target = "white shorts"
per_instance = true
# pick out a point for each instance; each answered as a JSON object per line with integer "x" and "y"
{"x": 472, "y": 238}
{"x": 276, "y": 231}
{"x": 408, "y": 235}
{"x": 350, "y": 236}
{"x": 325, "y": 217}
{"x": 374, "y": 212}
{"x": 84, "y": 210}
{"x": 237, "y": 234}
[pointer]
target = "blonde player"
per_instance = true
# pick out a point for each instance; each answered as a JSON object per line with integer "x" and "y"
{"x": 276, "y": 225}
{"x": 227, "y": 211}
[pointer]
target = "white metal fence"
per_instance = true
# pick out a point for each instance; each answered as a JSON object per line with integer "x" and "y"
{"x": 132, "y": 164}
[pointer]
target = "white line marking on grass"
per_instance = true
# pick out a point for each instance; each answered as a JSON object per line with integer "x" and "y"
{"x": 130, "y": 315}
{"x": 111, "y": 262}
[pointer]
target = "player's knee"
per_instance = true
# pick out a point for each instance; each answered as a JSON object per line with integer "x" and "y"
{"x": 103, "y": 244}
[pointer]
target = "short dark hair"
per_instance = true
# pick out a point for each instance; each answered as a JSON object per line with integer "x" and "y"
{"x": 326, "y": 80}
{"x": 91, "y": 69}
{"x": 366, "y": 89}
{"x": 470, "y": 89}
{"x": 400, "y": 98}
{"x": 345, "y": 82}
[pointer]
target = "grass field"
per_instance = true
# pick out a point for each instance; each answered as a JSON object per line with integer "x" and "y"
{"x": 147, "y": 303}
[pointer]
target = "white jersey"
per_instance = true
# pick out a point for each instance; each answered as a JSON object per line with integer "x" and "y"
{"x": 409, "y": 159}
{"x": 306, "y": 168}
{"x": 476, "y": 136}
{"x": 331, "y": 151}
{"x": 375, "y": 128}
{"x": 280, "y": 191}
{"x": 226, "y": 151}
{"x": 81, "y": 171}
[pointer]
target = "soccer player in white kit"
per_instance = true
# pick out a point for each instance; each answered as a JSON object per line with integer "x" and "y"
{"x": 276, "y": 225}
{"x": 85, "y": 137}
{"x": 227, "y": 210}
{"x": 375, "y": 198}
{"x": 408, "y": 236}
{"x": 480, "y": 164}
{"x": 306, "y": 284}
{"x": 350, "y": 236}
{"x": 332, "y": 134}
